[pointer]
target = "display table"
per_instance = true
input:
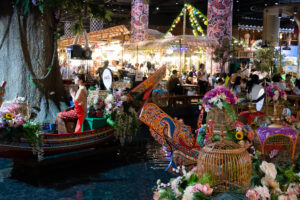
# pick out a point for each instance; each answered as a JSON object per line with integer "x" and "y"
{"x": 93, "y": 123}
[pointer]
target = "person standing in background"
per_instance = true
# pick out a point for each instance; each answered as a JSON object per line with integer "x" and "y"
{"x": 202, "y": 79}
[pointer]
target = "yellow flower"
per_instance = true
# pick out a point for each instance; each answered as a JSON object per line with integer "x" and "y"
{"x": 9, "y": 115}
{"x": 254, "y": 125}
{"x": 239, "y": 135}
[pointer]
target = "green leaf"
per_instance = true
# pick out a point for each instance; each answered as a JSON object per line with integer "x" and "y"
{"x": 41, "y": 8}
{"x": 200, "y": 196}
{"x": 193, "y": 180}
{"x": 229, "y": 110}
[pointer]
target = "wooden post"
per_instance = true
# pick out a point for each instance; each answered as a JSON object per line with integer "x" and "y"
{"x": 180, "y": 55}
{"x": 122, "y": 47}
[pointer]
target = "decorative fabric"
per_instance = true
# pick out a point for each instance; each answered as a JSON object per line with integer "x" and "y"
{"x": 139, "y": 20}
{"x": 96, "y": 24}
{"x": 265, "y": 132}
{"x": 219, "y": 18}
{"x": 68, "y": 29}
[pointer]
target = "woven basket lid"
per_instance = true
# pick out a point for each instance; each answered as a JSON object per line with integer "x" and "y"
{"x": 223, "y": 147}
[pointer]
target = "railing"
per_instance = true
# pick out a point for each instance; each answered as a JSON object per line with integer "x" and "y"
{"x": 175, "y": 100}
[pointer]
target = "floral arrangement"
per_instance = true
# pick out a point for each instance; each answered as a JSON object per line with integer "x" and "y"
{"x": 187, "y": 187}
{"x": 274, "y": 92}
{"x": 220, "y": 98}
{"x": 273, "y": 182}
{"x": 120, "y": 113}
{"x": 217, "y": 97}
{"x": 10, "y": 124}
{"x": 242, "y": 134}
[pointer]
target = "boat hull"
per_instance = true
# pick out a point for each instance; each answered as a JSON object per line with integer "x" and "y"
{"x": 58, "y": 143}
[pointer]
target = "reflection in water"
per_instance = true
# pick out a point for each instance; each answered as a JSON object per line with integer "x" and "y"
{"x": 128, "y": 172}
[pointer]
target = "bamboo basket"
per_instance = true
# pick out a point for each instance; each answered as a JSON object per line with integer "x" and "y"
{"x": 220, "y": 118}
{"x": 229, "y": 165}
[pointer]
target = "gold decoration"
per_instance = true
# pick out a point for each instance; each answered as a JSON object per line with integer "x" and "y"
{"x": 229, "y": 165}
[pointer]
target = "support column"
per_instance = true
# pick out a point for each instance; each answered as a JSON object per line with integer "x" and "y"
{"x": 271, "y": 28}
{"x": 139, "y": 20}
{"x": 219, "y": 26}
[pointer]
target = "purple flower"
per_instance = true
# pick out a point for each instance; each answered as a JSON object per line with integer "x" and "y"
{"x": 2, "y": 124}
{"x": 57, "y": 14}
{"x": 119, "y": 103}
{"x": 34, "y": 2}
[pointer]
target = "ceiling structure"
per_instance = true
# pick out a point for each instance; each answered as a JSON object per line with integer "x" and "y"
{"x": 163, "y": 12}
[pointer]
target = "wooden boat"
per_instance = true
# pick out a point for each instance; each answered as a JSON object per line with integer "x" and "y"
{"x": 173, "y": 134}
{"x": 58, "y": 143}
{"x": 55, "y": 144}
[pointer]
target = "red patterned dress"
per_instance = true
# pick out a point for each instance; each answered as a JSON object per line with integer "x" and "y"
{"x": 77, "y": 114}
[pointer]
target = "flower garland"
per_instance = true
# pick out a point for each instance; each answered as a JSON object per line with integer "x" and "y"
{"x": 220, "y": 98}
{"x": 274, "y": 92}
{"x": 121, "y": 114}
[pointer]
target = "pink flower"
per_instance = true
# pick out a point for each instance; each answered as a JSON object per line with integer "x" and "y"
{"x": 197, "y": 188}
{"x": 263, "y": 192}
{"x": 252, "y": 194}
{"x": 238, "y": 124}
{"x": 156, "y": 195}
{"x": 206, "y": 189}
{"x": 194, "y": 169}
{"x": 283, "y": 197}
{"x": 250, "y": 135}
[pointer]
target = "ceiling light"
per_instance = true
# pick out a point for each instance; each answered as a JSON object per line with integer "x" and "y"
{"x": 157, "y": 8}
{"x": 276, "y": 3}
{"x": 295, "y": 11}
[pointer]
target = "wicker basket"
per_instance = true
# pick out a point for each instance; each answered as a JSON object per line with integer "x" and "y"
{"x": 220, "y": 118}
{"x": 229, "y": 165}
{"x": 282, "y": 148}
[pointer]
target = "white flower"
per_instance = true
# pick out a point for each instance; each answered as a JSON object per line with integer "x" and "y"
{"x": 109, "y": 99}
{"x": 174, "y": 186}
{"x": 269, "y": 169}
{"x": 263, "y": 192}
{"x": 188, "y": 193}
{"x": 220, "y": 105}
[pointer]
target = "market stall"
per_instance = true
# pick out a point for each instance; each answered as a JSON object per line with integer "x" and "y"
{"x": 181, "y": 52}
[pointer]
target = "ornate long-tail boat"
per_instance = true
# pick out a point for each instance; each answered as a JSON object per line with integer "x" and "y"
{"x": 55, "y": 144}
{"x": 173, "y": 134}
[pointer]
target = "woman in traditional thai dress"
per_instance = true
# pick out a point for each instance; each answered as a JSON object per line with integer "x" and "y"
{"x": 79, "y": 112}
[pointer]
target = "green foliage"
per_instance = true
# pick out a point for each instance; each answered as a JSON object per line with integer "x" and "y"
{"x": 257, "y": 174}
{"x": 224, "y": 52}
{"x": 286, "y": 176}
{"x": 167, "y": 194}
{"x": 31, "y": 133}
{"x": 229, "y": 110}
{"x": 206, "y": 178}
{"x": 268, "y": 60}
{"x": 77, "y": 8}
{"x": 200, "y": 196}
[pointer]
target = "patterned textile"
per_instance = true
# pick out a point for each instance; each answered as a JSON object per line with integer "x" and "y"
{"x": 139, "y": 20}
{"x": 96, "y": 24}
{"x": 265, "y": 132}
{"x": 219, "y": 17}
{"x": 68, "y": 29}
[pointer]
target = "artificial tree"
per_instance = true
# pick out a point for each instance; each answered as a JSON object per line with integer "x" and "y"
{"x": 28, "y": 52}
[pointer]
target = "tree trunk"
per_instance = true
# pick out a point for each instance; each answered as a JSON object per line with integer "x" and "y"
{"x": 27, "y": 50}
